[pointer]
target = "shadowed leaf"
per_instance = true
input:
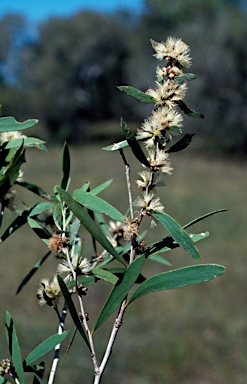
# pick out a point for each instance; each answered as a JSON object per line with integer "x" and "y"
{"x": 189, "y": 111}
{"x": 182, "y": 143}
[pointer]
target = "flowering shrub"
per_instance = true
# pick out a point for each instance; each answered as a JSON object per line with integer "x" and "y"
{"x": 120, "y": 249}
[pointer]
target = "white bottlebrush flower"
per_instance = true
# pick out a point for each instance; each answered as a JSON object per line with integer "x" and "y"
{"x": 168, "y": 93}
{"x": 7, "y": 136}
{"x": 49, "y": 293}
{"x": 179, "y": 51}
{"x": 158, "y": 126}
{"x": 80, "y": 265}
{"x": 159, "y": 160}
{"x": 174, "y": 50}
{"x": 149, "y": 203}
{"x": 145, "y": 179}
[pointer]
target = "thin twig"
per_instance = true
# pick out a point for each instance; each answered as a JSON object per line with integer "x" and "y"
{"x": 57, "y": 348}
{"x": 115, "y": 329}
{"x": 127, "y": 174}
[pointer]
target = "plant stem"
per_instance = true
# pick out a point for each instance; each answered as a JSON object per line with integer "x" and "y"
{"x": 57, "y": 348}
{"x": 127, "y": 174}
{"x": 117, "y": 324}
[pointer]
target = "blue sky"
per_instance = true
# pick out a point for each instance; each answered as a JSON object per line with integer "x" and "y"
{"x": 38, "y": 10}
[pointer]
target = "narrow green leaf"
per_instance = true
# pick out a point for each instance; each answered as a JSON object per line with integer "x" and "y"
{"x": 105, "y": 275}
{"x": 116, "y": 146}
{"x": 159, "y": 259}
{"x": 189, "y": 111}
{"x": 186, "y": 76}
{"x": 97, "y": 204}
{"x": 9, "y": 124}
{"x": 72, "y": 309}
{"x": 11, "y": 171}
{"x": 120, "y": 291}
{"x": 100, "y": 188}
{"x": 178, "y": 278}
{"x": 28, "y": 142}
{"x": 89, "y": 223}
{"x": 177, "y": 233}
{"x": 43, "y": 233}
{"x": 65, "y": 167}
{"x": 32, "y": 272}
{"x": 137, "y": 94}
{"x": 204, "y": 217}
{"x": 22, "y": 218}
{"x": 182, "y": 143}
{"x": 45, "y": 347}
{"x": 168, "y": 243}
{"x": 14, "y": 347}
{"x": 134, "y": 145}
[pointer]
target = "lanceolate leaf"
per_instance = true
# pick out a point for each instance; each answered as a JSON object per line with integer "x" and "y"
{"x": 32, "y": 272}
{"x": 45, "y": 347}
{"x": 182, "y": 143}
{"x": 134, "y": 145}
{"x": 28, "y": 142}
{"x": 116, "y": 146}
{"x": 97, "y": 204}
{"x": 137, "y": 94}
{"x": 14, "y": 348}
{"x": 177, "y": 233}
{"x": 72, "y": 309}
{"x": 120, "y": 291}
{"x": 66, "y": 167}
{"x": 186, "y": 76}
{"x": 11, "y": 172}
{"x": 43, "y": 233}
{"x": 168, "y": 243}
{"x": 105, "y": 275}
{"x": 178, "y": 278}
{"x": 82, "y": 214}
{"x": 204, "y": 217}
{"x": 100, "y": 187}
{"x": 22, "y": 218}
{"x": 9, "y": 124}
{"x": 189, "y": 111}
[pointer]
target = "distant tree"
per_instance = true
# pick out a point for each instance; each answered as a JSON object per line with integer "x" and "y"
{"x": 72, "y": 69}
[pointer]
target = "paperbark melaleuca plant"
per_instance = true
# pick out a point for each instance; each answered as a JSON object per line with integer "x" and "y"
{"x": 119, "y": 247}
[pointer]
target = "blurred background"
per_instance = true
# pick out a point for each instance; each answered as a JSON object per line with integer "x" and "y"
{"x": 60, "y": 62}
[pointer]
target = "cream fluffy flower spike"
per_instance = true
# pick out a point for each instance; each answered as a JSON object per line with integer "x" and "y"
{"x": 173, "y": 49}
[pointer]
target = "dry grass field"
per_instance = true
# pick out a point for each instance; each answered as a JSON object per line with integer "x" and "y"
{"x": 195, "y": 335}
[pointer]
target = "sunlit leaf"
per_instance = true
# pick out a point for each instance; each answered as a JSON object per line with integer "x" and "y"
{"x": 100, "y": 188}
{"x": 105, "y": 275}
{"x": 177, "y": 233}
{"x": 9, "y": 124}
{"x": 45, "y": 347}
{"x": 82, "y": 214}
{"x": 120, "y": 291}
{"x": 137, "y": 94}
{"x": 184, "y": 77}
{"x": 97, "y": 204}
{"x": 178, "y": 278}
